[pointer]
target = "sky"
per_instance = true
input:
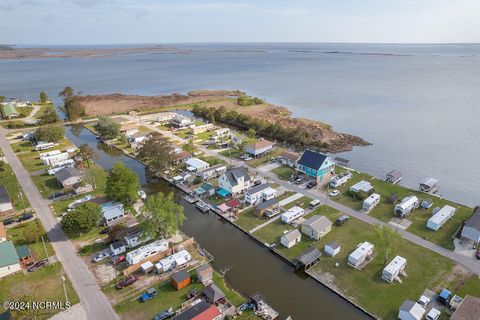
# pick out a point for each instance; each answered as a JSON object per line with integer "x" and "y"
{"x": 179, "y": 21}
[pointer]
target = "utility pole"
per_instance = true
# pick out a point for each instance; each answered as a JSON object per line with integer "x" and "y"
{"x": 45, "y": 247}
{"x": 21, "y": 198}
{"x": 64, "y": 287}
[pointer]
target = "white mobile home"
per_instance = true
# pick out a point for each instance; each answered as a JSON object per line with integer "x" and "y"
{"x": 195, "y": 164}
{"x": 406, "y": 206}
{"x": 146, "y": 251}
{"x": 371, "y": 202}
{"x": 292, "y": 214}
{"x": 363, "y": 251}
{"x": 291, "y": 238}
{"x": 49, "y": 154}
{"x": 212, "y": 172}
{"x": 177, "y": 259}
{"x": 257, "y": 194}
{"x": 202, "y": 128}
{"x": 394, "y": 269}
{"x": 44, "y": 146}
{"x": 340, "y": 179}
{"x": 53, "y": 159}
{"x": 439, "y": 218}
{"x": 136, "y": 239}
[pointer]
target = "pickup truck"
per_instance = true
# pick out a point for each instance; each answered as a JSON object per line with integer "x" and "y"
{"x": 149, "y": 294}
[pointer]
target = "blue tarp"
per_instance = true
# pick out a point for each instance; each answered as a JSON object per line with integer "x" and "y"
{"x": 222, "y": 192}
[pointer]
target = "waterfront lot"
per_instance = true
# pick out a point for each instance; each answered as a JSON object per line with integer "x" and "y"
{"x": 30, "y": 233}
{"x": 284, "y": 172}
{"x": 30, "y": 158}
{"x": 42, "y": 285}
{"x": 9, "y": 180}
{"x": 384, "y": 210}
{"x": 248, "y": 220}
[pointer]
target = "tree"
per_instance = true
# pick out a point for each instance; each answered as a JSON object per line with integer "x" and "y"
{"x": 74, "y": 108}
{"x": 49, "y": 133}
{"x": 107, "y": 128}
{"x": 162, "y": 216}
{"x": 49, "y": 115}
{"x": 87, "y": 153}
{"x": 66, "y": 93}
{"x": 251, "y": 133}
{"x": 156, "y": 152}
{"x": 117, "y": 231}
{"x": 43, "y": 97}
{"x": 189, "y": 146}
{"x": 82, "y": 219}
{"x": 387, "y": 238}
{"x": 2, "y": 165}
{"x": 122, "y": 184}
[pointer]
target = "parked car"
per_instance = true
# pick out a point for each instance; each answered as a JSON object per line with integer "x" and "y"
{"x": 37, "y": 265}
{"x": 57, "y": 195}
{"x": 118, "y": 259}
{"x": 342, "y": 220}
{"x": 8, "y": 221}
{"x": 126, "y": 282}
{"x": 105, "y": 230}
{"x": 24, "y": 217}
{"x": 312, "y": 184}
{"x": 444, "y": 296}
{"x": 164, "y": 314}
{"x": 298, "y": 181}
{"x": 334, "y": 193}
{"x": 433, "y": 314}
{"x": 476, "y": 255}
{"x": 257, "y": 182}
{"x": 149, "y": 294}
{"x": 423, "y": 301}
{"x": 247, "y": 158}
{"x": 100, "y": 256}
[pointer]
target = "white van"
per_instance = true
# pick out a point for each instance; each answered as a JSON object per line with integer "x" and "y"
{"x": 315, "y": 204}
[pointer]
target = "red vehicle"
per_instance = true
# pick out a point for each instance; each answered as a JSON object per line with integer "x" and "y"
{"x": 117, "y": 260}
{"x": 126, "y": 282}
{"x": 478, "y": 254}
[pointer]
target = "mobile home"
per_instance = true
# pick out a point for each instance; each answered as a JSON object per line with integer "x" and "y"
{"x": 364, "y": 250}
{"x": 439, "y": 218}
{"x": 340, "y": 179}
{"x": 406, "y": 206}
{"x": 371, "y": 202}
{"x": 177, "y": 259}
{"x": 53, "y": 159}
{"x": 292, "y": 214}
{"x": 147, "y": 251}
{"x": 394, "y": 269}
{"x": 44, "y": 146}
{"x": 363, "y": 185}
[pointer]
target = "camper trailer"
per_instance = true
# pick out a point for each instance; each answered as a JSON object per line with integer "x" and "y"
{"x": 363, "y": 251}
{"x": 292, "y": 214}
{"x": 406, "y": 206}
{"x": 177, "y": 259}
{"x": 429, "y": 185}
{"x": 53, "y": 159}
{"x": 44, "y": 146}
{"x": 394, "y": 269}
{"x": 59, "y": 166}
{"x": 49, "y": 154}
{"x": 147, "y": 251}
{"x": 439, "y": 218}
{"x": 370, "y": 202}
{"x": 340, "y": 179}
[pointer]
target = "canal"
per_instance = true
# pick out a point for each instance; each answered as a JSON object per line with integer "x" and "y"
{"x": 252, "y": 268}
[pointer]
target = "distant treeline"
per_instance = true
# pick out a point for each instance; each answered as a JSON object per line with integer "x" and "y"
{"x": 274, "y": 131}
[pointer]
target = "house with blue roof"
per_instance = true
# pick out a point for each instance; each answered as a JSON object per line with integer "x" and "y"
{"x": 316, "y": 165}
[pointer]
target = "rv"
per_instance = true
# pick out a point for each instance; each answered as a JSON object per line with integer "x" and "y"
{"x": 371, "y": 202}
{"x": 52, "y": 160}
{"x": 363, "y": 251}
{"x": 439, "y": 218}
{"x": 292, "y": 214}
{"x": 44, "y": 146}
{"x": 49, "y": 154}
{"x": 394, "y": 269}
{"x": 60, "y": 166}
{"x": 147, "y": 251}
{"x": 175, "y": 260}
{"x": 340, "y": 179}
{"x": 406, "y": 206}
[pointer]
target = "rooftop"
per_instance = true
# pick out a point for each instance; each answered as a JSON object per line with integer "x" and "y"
{"x": 260, "y": 144}
{"x": 474, "y": 220}
{"x": 180, "y": 276}
{"x": 4, "y": 198}
{"x": 317, "y": 223}
{"x": 236, "y": 173}
{"x": 333, "y": 244}
{"x": 292, "y": 235}
{"x": 8, "y": 254}
{"x": 258, "y": 188}
{"x": 309, "y": 256}
{"x": 23, "y": 251}
{"x": 67, "y": 173}
{"x": 267, "y": 204}
{"x": 469, "y": 309}
{"x": 289, "y": 155}
{"x": 312, "y": 159}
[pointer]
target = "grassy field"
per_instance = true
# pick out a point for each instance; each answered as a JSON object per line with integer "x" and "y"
{"x": 9, "y": 180}
{"x": 231, "y": 153}
{"x": 46, "y": 184}
{"x": 303, "y": 202}
{"x": 168, "y": 297}
{"x": 17, "y": 234}
{"x": 212, "y": 160}
{"x": 43, "y": 108}
{"x": 257, "y": 162}
{"x": 384, "y": 210}
{"x": 30, "y": 158}
{"x": 284, "y": 172}
{"x": 43, "y": 285}
{"x": 248, "y": 220}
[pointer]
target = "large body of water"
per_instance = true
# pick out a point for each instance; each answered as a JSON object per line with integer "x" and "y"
{"x": 419, "y": 105}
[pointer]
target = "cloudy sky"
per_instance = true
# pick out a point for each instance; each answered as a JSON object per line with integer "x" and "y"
{"x": 160, "y": 21}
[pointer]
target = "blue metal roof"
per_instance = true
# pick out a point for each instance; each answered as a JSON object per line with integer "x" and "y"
{"x": 312, "y": 159}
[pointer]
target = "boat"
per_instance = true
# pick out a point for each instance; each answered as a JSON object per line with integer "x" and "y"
{"x": 202, "y": 206}
{"x": 189, "y": 199}
{"x": 142, "y": 194}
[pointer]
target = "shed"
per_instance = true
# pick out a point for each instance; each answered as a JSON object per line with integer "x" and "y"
{"x": 147, "y": 266}
{"x": 213, "y": 293}
{"x": 5, "y": 202}
{"x": 307, "y": 258}
{"x": 224, "y": 208}
{"x": 117, "y": 247}
{"x": 426, "y": 204}
{"x": 439, "y": 218}
{"x": 316, "y": 227}
{"x": 291, "y": 238}
{"x": 265, "y": 206}
{"x": 205, "y": 274}
{"x": 410, "y": 310}
{"x": 180, "y": 279}
{"x": 332, "y": 248}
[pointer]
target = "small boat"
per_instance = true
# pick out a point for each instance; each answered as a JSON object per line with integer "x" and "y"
{"x": 189, "y": 199}
{"x": 142, "y": 194}
{"x": 202, "y": 206}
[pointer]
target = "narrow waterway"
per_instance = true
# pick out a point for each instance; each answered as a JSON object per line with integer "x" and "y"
{"x": 252, "y": 267}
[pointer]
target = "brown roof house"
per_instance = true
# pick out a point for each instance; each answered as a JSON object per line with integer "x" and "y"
{"x": 260, "y": 147}
{"x": 469, "y": 309}
{"x": 205, "y": 274}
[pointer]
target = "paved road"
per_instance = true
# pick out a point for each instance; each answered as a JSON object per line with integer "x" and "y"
{"x": 93, "y": 301}
{"x": 471, "y": 264}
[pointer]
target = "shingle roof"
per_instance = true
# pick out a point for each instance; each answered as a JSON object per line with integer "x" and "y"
{"x": 309, "y": 256}
{"x": 267, "y": 204}
{"x": 317, "y": 223}
{"x": 333, "y": 244}
{"x": 180, "y": 276}
{"x": 213, "y": 293}
{"x": 8, "y": 254}
{"x": 292, "y": 235}
{"x": 469, "y": 309}
{"x": 67, "y": 173}
{"x": 195, "y": 311}
{"x": 258, "y": 188}
{"x": 474, "y": 220}
{"x": 289, "y": 155}
{"x": 234, "y": 174}
{"x": 260, "y": 144}
{"x": 312, "y": 159}
{"x": 4, "y": 198}
{"x": 205, "y": 268}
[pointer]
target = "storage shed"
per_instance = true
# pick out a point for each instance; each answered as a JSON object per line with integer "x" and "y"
{"x": 291, "y": 238}
{"x": 146, "y": 266}
{"x": 180, "y": 279}
{"x": 411, "y": 310}
{"x": 205, "y": 274}
{"x": 307, "y": 258}
{"x": 332, "y": 248}
{"x": 394, "y": 269}
{"x": 438, "y": 219}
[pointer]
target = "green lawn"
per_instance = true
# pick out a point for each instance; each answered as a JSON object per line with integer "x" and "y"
{"x": 256, "y": 162}
{"x": 9, "y": 180}
{"x": 272, "y": 232}
{"x": 248, "y": 220}
{"x": 284, "y": 172}
{"x": 42, "y": 285}
{"x": 46, "y": 184}
{"x": 212, "y": 160}
{"x": 30, "y": 158}
{"x": 43, "y": 109}
{"x": 231, "y": 153}
{"x": 384, "y": 210}
{"x": 17, "y": 234}
{"x": 305, "y": 200}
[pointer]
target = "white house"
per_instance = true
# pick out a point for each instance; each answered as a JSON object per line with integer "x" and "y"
{"x": 340, "y": 179}
{"x": 260, "y": 193}
{"x": 47, "y": 154}
{"x": 364, "y": 250}
{"x": 439, "y": 218}
{"x": 471, "y": 229}
{"x": 292, "y": 214}
{"x": 407, "y": 205}
{"x": 394, "y": 269}
{"x": 332, "y": 248}
{"x": 411, "y": 310}
{"x": 370, "y": 202}
{"x": 291, "y": 238}
{"x": 260, "y": 147}
{"x": 112, "y": 212}
{"x": 316, "y": 227}
{"x": 195, "y": 164}
{"x": 138, "y": 137}
{"x": 147, "y": 251}
{"x": 288, "y": 158}
{"x": 212, "y": 172}
{"x": 9, "y": 260}
{"x": 181, "y": 121}
{"x": 235, "y": 180}
{"x": 202, "y": 128}
{"x": 136, "y": 239}
{"x": 117, "y": 247}
{"x": 5, "y": 202}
